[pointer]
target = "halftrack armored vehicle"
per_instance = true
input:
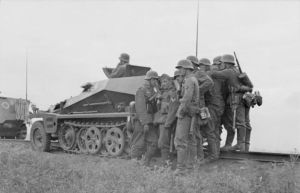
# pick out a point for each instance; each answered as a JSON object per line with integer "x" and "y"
{"x": 93, "y": 121}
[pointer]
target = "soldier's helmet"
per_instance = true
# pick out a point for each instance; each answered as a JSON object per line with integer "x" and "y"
{"x": 185, "y": 64}
{"x": 151, "y": 74}
{"x": 217, "y": 60}
{"x": 204, "y": 61}
{"x": 177, "y": 73}
{"x": 228, "y": 58}
{"x": 124, "y": 57}
{"x": 193, "y": 59}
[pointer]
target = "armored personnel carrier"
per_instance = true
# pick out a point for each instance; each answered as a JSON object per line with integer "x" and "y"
{"x": 93, "y": 121}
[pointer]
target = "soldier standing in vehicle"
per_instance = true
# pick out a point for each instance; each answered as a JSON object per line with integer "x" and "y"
{"x": 120, "y": 70}
{"x": 231, "y": 75}
{"x": 145, "y": 105}
{"x": 185, "y": 141}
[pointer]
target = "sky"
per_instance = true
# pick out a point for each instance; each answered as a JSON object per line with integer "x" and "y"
{"x": 68, "y": 42}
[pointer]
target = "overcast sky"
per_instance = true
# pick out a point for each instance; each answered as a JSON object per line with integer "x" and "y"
{"x": 68, "y": 42}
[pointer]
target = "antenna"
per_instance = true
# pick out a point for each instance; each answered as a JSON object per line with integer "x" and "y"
{"x": 26, "y": 73}
{"x": 197, "y": 29}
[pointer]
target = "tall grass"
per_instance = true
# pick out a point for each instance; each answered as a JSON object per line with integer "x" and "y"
{"x": 22, "y": 170}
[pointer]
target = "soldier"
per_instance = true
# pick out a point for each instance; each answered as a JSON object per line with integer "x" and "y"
{"x": 194, "y": 61}
{"x": 216, "y": 104}
{"x": 250, "y": 100}
{"x": 206, "y": 86}
{"x": 171, "y": 119}
{"x": 185, "y": 136}
{"x": 166, "y": 89}
{"x": 145, "y": 105}
{"x": 120, "y": 70}
{"x": 231, "y": 75}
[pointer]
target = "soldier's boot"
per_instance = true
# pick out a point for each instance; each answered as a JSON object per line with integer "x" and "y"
{"x": 165, "y": 157}
{"x": 229, "y": 140}
{"x": 247, "y": 140}
{"x": 149, "y": 154}
{"x": 200, "y": 152}
{"x": 240, "y": 146}
{"x": 247, "y": 146}
{"x": 181, "y": 157}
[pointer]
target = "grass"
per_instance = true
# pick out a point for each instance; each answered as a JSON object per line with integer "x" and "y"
{"x": 22, "y": 170}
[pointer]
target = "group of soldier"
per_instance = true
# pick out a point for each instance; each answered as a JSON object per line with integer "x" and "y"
{"x": 191, "y": 107}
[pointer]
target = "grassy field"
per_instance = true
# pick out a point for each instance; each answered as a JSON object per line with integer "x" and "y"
{"x": 25, "y": 171}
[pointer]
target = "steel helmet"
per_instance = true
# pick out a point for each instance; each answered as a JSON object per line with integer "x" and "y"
{"x": 228, "y": 58}
{"x": 151, "y": 74}
{"x": 185, "y": 64}
{"x": 124, "y": 57}
{"x": 177, "y": 73}
{"x": 193, "y": 59}
{"x": 217, "y": 60}
{"x": 204, "y": 61}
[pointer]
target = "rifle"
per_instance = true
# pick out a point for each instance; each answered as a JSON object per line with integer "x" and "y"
{"x": 238, "y": 64}
{"x": 172, "y": 139}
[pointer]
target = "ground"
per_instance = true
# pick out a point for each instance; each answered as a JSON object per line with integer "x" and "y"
{"x": 26, "y": 171}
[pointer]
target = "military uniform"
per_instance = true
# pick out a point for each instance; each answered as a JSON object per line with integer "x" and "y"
{"x": 185, "y": 143}
{"x": 230, "y": 75}
{"x": 216, "y": 104}
{"x": 120, "y": 70}
{"x": 166, "y": 91}
{"x": 145, "y": 114}
{"x": 206, "y": 85}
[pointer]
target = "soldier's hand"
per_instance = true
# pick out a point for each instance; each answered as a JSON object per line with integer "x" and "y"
{"x": 146, "y": 128}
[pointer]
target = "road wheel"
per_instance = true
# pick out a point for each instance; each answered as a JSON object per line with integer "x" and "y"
{"x": 115, "y": 141}
{"x": 93, "y": 140}
{"x": 67, "y": 137}
{"x": 81, "y": 140}
{"x": 40, "y": 140}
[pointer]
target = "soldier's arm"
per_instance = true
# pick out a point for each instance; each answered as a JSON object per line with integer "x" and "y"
{"x": 118, "y": 72}
{"x": 205, "y": 83}
{"x": 188, "y": 91}
{"x": 223, "y": 74}
{"x": 141, "y": 107}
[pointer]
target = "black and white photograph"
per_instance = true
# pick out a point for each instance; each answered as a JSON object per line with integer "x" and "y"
{"x": 149, "y": 96}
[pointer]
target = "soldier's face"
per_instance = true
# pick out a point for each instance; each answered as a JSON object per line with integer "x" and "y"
{"x": 179, "y": 79}
{"x": 222, "y": 66}
{"x": 153, "y": 82}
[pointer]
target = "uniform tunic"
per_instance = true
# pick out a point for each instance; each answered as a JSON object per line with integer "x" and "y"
{"x": 190, "y": 97}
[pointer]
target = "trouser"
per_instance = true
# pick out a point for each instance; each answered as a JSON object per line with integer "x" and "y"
{"x": 227, "y": 123}
{"x": 151, "y": 138}
{"x": 185, "y": 143}
{"x": 248, "y": 128}
{"x": 240, "y": 126}
{"x": 164, "y": 142}
{"x": 138, "y": 145}
{"x": 208, "y": 131}
{"x": 216, "y": 113}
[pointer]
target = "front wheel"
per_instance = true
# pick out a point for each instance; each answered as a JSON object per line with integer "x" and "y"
{"x": 40, "y": 140}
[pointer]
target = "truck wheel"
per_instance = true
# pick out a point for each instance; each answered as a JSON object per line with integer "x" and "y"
{"x": 40, "y": 140}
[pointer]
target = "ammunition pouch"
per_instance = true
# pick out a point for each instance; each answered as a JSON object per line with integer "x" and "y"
{"x": 151, "y": 106}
